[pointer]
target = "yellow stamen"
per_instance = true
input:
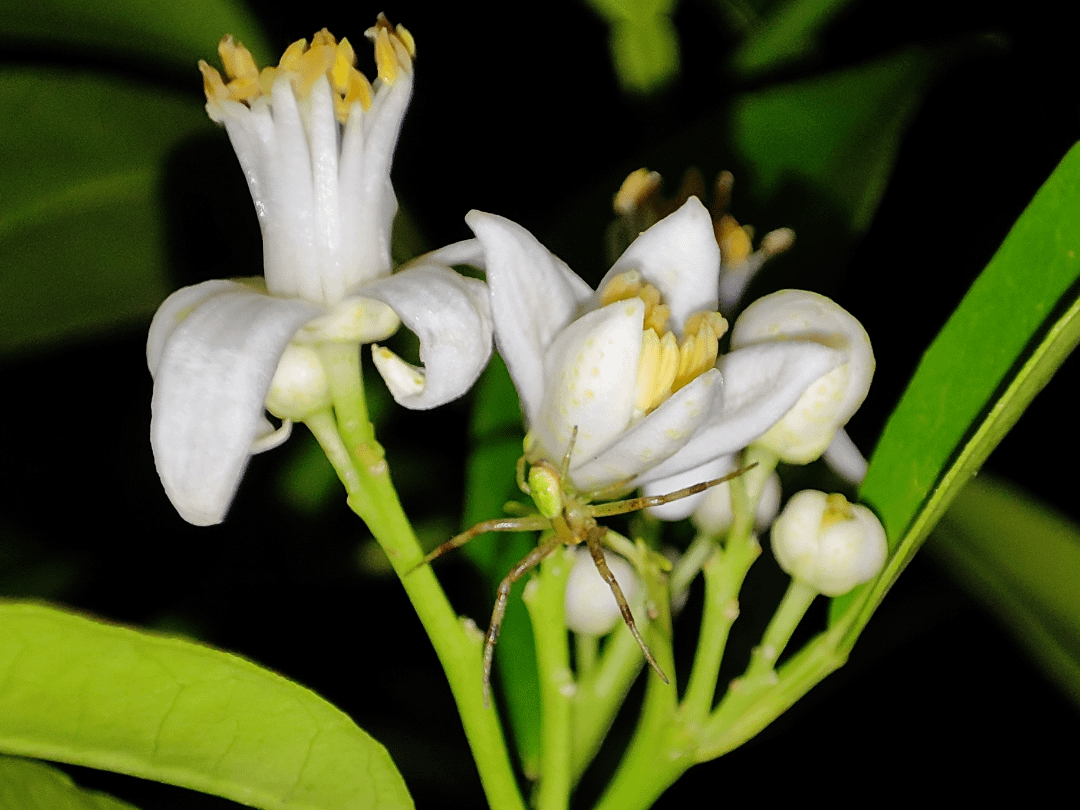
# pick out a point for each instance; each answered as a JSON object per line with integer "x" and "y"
{"x": 304, "y": 64}
{"x": 213, "y": 86}
{"x": 385, "y": 57}
{"x": 734, "y": 241}
{"x": 636, "y": 188}
{"x": 648, "y": 365}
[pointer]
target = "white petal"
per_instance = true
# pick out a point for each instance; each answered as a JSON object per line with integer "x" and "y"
{"x": 534, "y": 296}
{"x": 450, "y": 315}
{"x": 368, "y": 202}
{"x": 684, "y": 507}
{"x": 679, "y": 255}
{"x": 467, "y": 251}
{"x": 172, "y": 313}
{"x": 761, "y": 383}
{"x": 213, "y": 374}
{"x": 845, "y": 459}
{"x": 655, "y": 438}
{"x": 803, "y": 315}
{"x": 591, "y": 369}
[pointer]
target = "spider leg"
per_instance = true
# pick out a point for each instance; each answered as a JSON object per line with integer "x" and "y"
{"x": 594, "y": 539}
{"x": 532, "y": 559}
{"x": 518, "y": 524}
{"x": 566, "y": 458}
{"x": 634, "y": 504}
{"x": 522, "y": 483}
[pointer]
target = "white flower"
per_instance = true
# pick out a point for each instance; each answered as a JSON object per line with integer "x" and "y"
{"x": 828, "y": 543}
{"x": 808, "y": 429}
{"x": 633, "y": 367}
{"x": 315, "y": 140}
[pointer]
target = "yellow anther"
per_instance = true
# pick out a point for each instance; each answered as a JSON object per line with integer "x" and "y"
{"x": 359, "y": 90}
{"x": 635, "y": 189}
{"x": 621, "y": 288}
{"x": 656, "y": 317}
{"x": 385, "y": 57}
{"x": 715, "y": 321}
{"x": 734, "y": 241}
{"x": 344, "y": 63}
{"x": 837, "y": 510}
{"x": 290, "y": 60}
{"x": 315, "y": 63}
{"x": 648, "y": 365}
{"x": 323, "y": 37}
{"x": 267, "y": 77}
{"x": 406, "y": 39}
{"x": 236, "y": 59}
{"x": 213, "y": 86}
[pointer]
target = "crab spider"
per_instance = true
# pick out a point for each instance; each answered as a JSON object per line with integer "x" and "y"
{"x": 572, "y": 519}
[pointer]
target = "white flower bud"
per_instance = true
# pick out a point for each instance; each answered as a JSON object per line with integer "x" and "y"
{"x": 299, "y": 387}
{"x": 805, "y": 431}
{"x": 591, "y": 609}
{"x": 828, "y": 543}
{"x": 714, "y": 516}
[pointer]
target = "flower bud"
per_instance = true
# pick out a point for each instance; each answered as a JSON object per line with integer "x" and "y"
{"x": 299, "y": 388}
{"x": 591, "y": 609}
{"x": 805, "y": 431}
{"x": 827, "y": 543}
{"x": 714, "y": 516}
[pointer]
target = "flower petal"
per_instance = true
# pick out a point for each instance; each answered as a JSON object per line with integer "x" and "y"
{"x": 684, "y": 507}
{"x": 450, "y": 315}
{"x": 679, "y": 255}
{"x": 655, "y": 438}
{"x": 212, "y": 374}
{"x": 591, "y": 369}
{"x": 533, "y": 296}
{"x": 761, "y": 383}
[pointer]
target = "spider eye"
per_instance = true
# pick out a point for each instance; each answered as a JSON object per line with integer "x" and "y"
{"x": 546, "y": 490}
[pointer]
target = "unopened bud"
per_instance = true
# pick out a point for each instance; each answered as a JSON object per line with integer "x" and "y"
{"x": 591, "y": 609}
{"x": 805, "y": 431}
{"x": 714, "y": 515}
{"x": 827, "y": 543}
{"x": 299, "y": 388}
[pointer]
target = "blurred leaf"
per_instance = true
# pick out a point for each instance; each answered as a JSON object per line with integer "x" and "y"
{"x": 838, "y": 133}
{"x": 787, "y": 34}
{"x": 1020, "y": 558}
{"x": 1014, "y": 328}
{"x": 29, "y": 785}
{"x": 94, "y": 694}
{"x": 82, "y": 237}
{"x": 161, "y": 31}
{"x": 643, "y": 40}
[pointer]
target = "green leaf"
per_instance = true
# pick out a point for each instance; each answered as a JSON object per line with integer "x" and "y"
{"x": 1014, "y": 328}
{"x": 109, "y": 697}
{"x": 29, "y": 785}
{"x": 172, "y": 33}
{"x": 788, "y": 34}
{"x": 82, "y": 237}
{"x": 1021, "y": 558}
{"x": 838, "y": 133}
{"x": 643, "y": 40}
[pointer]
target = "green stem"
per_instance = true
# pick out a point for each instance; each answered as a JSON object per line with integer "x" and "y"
{"x": 586, "y": 654}
{"x": 760, "y": 676}
{"x": 457, "y": 643}
{"x": 545, "y": 599}
{"x": 661, "y": 749}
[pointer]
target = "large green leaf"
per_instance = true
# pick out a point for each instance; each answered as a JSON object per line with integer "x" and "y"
{"x": 837, "y": 134}
{"x": 1014, "y": 328}
{"x": 1021, "y": 558}
{"x": 82, "y": 236}
{"x": 172, "y": 32}
{"x": 109, "y": 697}
{"x": 786, "y": 34}
{"x": 29, "y": 785}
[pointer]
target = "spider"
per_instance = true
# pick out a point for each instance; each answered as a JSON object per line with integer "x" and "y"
{"x": 572, "y": 519}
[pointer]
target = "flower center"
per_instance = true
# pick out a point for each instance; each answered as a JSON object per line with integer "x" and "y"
{"x": 666, "y": 364}
{"x": 304, "y": 64}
